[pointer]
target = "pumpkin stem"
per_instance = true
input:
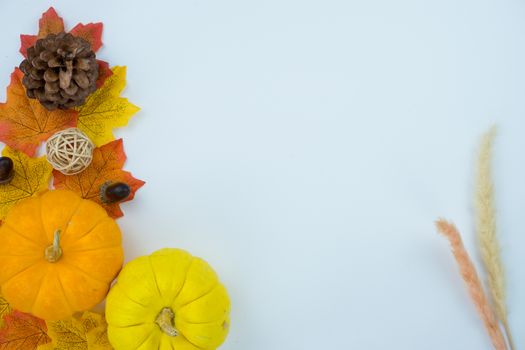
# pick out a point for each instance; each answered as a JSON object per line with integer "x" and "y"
{"x": 165, "y": 322}
{"x": 54, "y": 252}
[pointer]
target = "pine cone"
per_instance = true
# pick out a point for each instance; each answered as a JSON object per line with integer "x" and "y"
{"x": 60, "y": 71}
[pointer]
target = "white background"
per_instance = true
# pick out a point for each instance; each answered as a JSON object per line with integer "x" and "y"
{"x": 304, "y": 148}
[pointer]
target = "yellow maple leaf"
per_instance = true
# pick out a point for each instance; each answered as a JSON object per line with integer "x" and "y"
{"x": 91, "y": 320}
{"x": 97, "y": 339}
{"x": 87, "y": 332}
{"x": 5, "y": 309}
{"x": 31, "y": 176}
{"x": 105, "y": 110}
{"x": 67, "y": 334}
{"x": 96, "y": 331}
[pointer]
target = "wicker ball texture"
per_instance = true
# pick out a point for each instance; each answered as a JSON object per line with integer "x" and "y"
{"x": 69, "y": 151}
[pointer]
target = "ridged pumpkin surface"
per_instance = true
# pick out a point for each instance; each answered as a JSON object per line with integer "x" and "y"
{"x": 173, "y": 280}
{"x": 90, "y": 259}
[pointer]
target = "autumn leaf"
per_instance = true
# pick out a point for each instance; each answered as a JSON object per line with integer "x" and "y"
{"x": 98, "y": 339}
{"x": 47, "y": 346}
{"x": 51, "y": 23}
{"x": 26, "y": 42}
{"x": 25, "y": 123}
{"x": 91, "y": 32}
{"x": 23, "y": 331}
{"x": 91, "y": 320}
{"x": 5, "y": 309}
{"x": 67, "y": 334}
{"x": 88, "y": 332}
{"x": 31, "y": 176}
{"x": 96, "y": 331}
{"x": 106, "y": 167}
{"x": 104, "y": 72}
{"x": 105, "y": 110}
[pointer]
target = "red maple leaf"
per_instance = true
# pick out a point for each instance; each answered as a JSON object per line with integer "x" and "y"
{"x": 104, "y": 72}
{"x": 52, "y": 23}
{"x": 106, "y": 167}
{"x": 91, "y": 32}
{"x": 23, "y": 331}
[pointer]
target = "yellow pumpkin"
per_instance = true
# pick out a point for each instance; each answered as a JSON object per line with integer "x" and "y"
{"x": 58, "y": 254}
{"x": 168, "y": 300}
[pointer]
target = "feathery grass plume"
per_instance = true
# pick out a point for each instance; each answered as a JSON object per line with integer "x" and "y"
{"x": 486, "y": 227}
{"x": 470, "y": 276}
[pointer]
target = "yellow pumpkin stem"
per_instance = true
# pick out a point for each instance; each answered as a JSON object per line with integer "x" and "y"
{"x": 54, "y": 252}
{"x": 165, "y": 322}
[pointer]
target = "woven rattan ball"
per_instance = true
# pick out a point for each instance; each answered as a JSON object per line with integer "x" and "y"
{"x": 69, "y": 151}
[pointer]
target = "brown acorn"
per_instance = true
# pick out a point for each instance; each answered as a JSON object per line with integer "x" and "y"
{"x": 114, "y": 192}
{"x": 7, "y": 171}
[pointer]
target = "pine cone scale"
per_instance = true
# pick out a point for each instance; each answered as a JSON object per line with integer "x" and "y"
{"x": 83, "y": 64}
{"x": 51, "y": 88}
{"x": 50, "y": 76}
{"x": 71, "y": 90}
{"x": 31, "y": 83}
{"x": 36, "y": 74}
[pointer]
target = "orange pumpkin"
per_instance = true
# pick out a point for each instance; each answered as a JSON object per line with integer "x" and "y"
{"x": 58, "y": 254}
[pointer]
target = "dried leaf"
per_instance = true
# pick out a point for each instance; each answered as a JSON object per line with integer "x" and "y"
{"x": 96, "y": 331}
{"x": 105, "y": 110}
{"x": 91, "y": 320}
{"x": 26, "y": 41}
{"x": 98, "y": 339}
{"x": 47, "y": 346}
{"x": 23, "y": 331}
{"x": 25, "y": 123}
{"x": 91, "y": 32}
{"x": 68, "y": 334}
{"x": 106, "y": 167}
{"x": 104, "y": 72}
{"x": 49, "y": 23}
{"x": 31, "y": 176}
{"x": 5, "y": 309}
{"x": 89, "y": 332}
{"x": 52, "y": 23}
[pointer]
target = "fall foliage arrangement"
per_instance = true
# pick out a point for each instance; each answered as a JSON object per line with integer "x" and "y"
{"x": 60, "y": 246}
{"x": 490, "y": 301}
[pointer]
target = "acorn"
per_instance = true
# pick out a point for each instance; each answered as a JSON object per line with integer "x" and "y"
{"x": 114, "y": 192}
{"x": 7, "y": 170}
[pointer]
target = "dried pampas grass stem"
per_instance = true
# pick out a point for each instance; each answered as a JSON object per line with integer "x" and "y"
{"x": 470, "y": 276}
{"x": 486, "y": 228}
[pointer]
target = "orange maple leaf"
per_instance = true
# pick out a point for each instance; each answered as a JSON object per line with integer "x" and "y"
{"x": 91, "y": 32}
{"x": 106, "y": 167}
{"x": 52, "y": 23}
{"x": 25, "y": 123}
{"x": 23, "y": 331}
